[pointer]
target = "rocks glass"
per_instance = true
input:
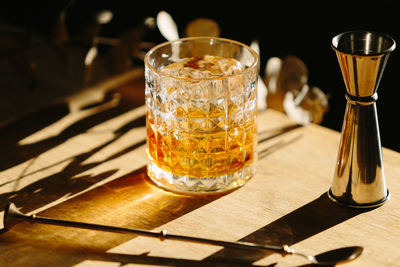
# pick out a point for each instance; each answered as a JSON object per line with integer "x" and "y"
{"x": 201, "y": 121}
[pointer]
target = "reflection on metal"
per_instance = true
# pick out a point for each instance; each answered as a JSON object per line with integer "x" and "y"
{"x": 359, "y": 179}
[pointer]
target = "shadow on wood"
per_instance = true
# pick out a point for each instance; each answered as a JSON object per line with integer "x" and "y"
{"x": 302, "y": 223}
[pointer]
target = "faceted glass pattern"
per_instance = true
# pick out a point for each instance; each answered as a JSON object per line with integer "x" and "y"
{"x": 202, "y": 132}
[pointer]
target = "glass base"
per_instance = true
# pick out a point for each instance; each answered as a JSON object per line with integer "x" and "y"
{"x": 195, "y": 185}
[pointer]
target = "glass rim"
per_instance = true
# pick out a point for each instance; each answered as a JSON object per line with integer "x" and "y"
{"x": 247, "y": 69}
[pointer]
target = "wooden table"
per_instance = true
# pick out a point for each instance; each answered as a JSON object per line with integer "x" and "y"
{"x": 77, "y": 160}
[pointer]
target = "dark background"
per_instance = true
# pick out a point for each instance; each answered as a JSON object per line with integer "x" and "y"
{"x": 282, "y": 27}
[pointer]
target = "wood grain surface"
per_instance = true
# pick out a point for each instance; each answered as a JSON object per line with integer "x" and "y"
{"x": 84, "y": 159}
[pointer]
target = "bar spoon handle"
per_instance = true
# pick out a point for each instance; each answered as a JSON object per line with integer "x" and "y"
{"x": 13, "y": 216}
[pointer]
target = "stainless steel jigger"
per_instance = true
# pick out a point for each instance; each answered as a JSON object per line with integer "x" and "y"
{"x": 359, "y": 179}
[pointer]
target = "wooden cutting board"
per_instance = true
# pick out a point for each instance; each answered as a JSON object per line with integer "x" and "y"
{"x": 86, "y": 161}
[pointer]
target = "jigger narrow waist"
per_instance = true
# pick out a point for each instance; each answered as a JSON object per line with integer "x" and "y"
{"x": 362, "y": 100}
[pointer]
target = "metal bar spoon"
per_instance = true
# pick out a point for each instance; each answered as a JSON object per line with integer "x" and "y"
{"x": 13, "y": 216}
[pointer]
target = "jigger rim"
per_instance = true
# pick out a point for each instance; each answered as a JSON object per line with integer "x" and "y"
{"x": 391, "y": 47}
